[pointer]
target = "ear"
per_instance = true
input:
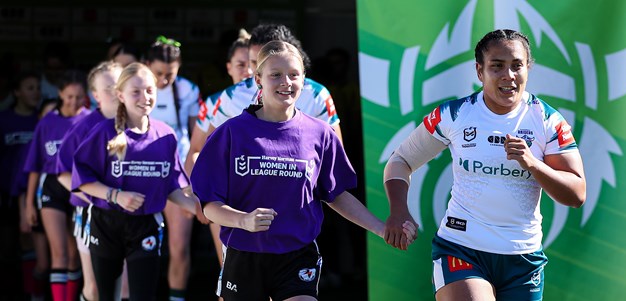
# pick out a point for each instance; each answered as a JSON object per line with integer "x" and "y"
{"x": 257, "y": 79}
{"x": 119, "y": 95}
{"x": 479, "y": 71}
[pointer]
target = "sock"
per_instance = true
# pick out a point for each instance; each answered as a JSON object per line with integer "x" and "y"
{"x": 58, "y": 284}
{"x": 82, "y": 297}
{"x": 28, "y": 264}
{"x": 177, "y": 295}
{"x": 40, "y": 281}
{"x": 73, "y": 284}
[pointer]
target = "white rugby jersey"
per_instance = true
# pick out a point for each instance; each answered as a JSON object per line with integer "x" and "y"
{"x": 315, "y": 101}
{"x": 495, "y": 203}
{"x": 165, "y": 110}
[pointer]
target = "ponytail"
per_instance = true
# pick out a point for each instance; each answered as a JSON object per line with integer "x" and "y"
{"x": 117, "y": 145}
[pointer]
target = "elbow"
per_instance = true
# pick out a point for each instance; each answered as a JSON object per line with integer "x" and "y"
{"x": 580, "y": 200}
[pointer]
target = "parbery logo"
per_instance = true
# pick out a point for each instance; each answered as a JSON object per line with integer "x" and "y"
{"x": 437, "y": 84}
{"x": 476, "y": 166}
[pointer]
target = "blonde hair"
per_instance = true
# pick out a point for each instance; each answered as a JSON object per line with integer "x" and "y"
{"x": 277, "y": 48}
{"x": 117, "y": 145}
{"x": 105, "y": 66}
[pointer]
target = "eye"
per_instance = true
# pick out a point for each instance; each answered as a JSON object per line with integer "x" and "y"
{"x": 275, "y": 74}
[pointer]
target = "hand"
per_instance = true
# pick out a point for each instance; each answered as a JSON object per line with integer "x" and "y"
{"x": 517, "y": 149}
{"x": 259, "y": 220}
{"x": 129, "y": 200}
{"x": 410, "y": 231}
{"x": 399, "y": 231}
{"x": 200, "y": 214}
{"x": 30, "y": 216}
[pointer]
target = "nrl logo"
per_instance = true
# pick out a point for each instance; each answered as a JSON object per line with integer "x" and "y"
{"x": 596, "y": 144}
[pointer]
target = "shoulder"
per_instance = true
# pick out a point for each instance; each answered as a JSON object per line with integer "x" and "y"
{"x": 160, "y": 127}
{"x": 185, "y": 86}
{"x": 541, "y": 107}
{"x": 315, "y": 88}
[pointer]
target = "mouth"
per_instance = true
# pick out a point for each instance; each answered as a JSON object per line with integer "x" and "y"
{"x": 508, "y": 89}
{"x": 284, "y": 92}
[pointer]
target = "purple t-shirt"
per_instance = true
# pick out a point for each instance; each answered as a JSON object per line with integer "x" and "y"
{"x": 16, "y": 132}
{"x": 291, "y": 166}
{"x": 151, "y": 165}
{"x": 72, "y": 139}
{"x": 47, "y": 139}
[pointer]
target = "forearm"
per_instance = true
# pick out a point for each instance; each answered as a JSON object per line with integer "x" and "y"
{"x": 351, "y": 209}
{"x": 31, "y": 188}
{"x": 565, "y": 187}
{"x": 96, "y": 189}
{"x": 224, "y": 215}
{"x": 397, "y": 191}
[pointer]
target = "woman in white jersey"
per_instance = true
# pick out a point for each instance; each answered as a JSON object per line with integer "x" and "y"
{"x": 506, "y": 145}
{"x": 177, "y": 106}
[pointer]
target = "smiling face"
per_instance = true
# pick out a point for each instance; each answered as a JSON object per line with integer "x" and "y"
{"x": 282, "y": 78}
{"x": 72, "y": 98}
{"x": 164, "y": 72}
{"x": 238, "y": 67}
{"x": 504, "y": 74}
{"x": 138, "y": 94}
{"x": 104, "y": 87}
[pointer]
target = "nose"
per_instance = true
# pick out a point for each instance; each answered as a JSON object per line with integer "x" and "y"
{"x": 285, "y": 81}
{"x": 509, "y": 74}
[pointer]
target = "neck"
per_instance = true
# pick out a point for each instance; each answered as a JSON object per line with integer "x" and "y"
{"x": 23, "y": 110}
{"x": 272, "y": 115}
{"x": 108, "y": 115}
{"x": 68, "y": 112}
{"x": 140, "y": 125}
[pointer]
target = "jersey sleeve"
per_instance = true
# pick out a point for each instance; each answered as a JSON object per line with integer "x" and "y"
{"x": 317, "y": 102}
{"x": 336, "y": 173}
{"x": 436, "y": 123}
{"x": 559, "y": 134}
{"x": 189, "y": 97}
{"x": 210, "y": 174}
{"x": 90, "y": 158}
{"x": 34, "y": 159}
{"x": 65, "y": 156}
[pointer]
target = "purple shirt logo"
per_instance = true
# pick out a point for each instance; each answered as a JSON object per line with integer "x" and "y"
{"x": 52, "y": 147}
{"x": 274, "y": 166}
{"x": 143, "y": 169}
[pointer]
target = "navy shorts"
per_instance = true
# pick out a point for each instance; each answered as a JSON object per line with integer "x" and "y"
{"x": 117, "y": 235}
{"x": 514, "y": 277}
{"x": 252, "y": 276}
{"x": 54, "y": 195}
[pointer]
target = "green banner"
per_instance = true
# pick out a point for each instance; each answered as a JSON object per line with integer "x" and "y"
{"x": 414, "y": 54}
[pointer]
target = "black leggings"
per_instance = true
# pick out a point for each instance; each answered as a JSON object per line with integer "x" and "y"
{"x": 143, "y": 276}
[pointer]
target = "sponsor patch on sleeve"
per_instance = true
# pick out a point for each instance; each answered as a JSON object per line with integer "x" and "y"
{"x": 564, "y": 134}
{"x": 432, "y": 120}
{"x": 203, "y": 111}
{"x": 330, "y": 106}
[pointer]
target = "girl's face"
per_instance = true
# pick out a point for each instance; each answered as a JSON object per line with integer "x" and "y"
{"x": 504, "y": 75}
{"x": 138, "y": 94}
{"x": 104, "y": 84}
{"x": 29, "y": 92}
{"x": 282, "y": 79}
{"x": 164, "y": 72}
{"x": 238, "y": 67}
{"x": 73, "y": 99}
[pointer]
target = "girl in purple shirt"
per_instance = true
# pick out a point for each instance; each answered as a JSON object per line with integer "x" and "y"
{"x": 17, "y": 125}
{"x": 53, "y": 201}
{"x": 130, "y": 167}
{"x": 101, "y": 80}
{"x": 270, "y": 169}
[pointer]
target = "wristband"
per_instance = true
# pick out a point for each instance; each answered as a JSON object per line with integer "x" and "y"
{"x": 116, "y": 193}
